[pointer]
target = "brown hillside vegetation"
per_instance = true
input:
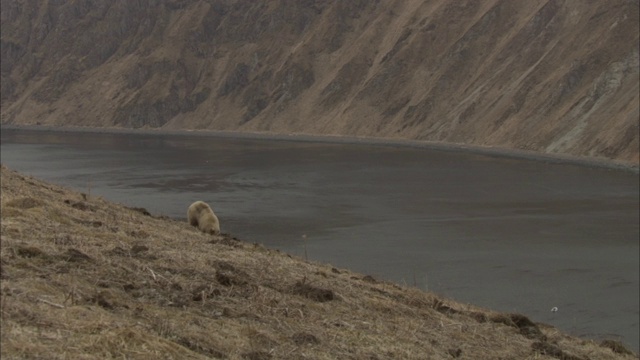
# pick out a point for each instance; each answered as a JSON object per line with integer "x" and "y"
{"x": 83, "y": 278}
{"x": 553, "y": 76}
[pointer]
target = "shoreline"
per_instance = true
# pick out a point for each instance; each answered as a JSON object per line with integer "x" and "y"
{"x": 227, "y": 283}
{"x": 351, "y": 140}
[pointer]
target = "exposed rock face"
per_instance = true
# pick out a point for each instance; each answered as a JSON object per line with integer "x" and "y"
{"x": 551, "y": 76}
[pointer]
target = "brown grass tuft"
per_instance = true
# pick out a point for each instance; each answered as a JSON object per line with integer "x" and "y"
{"x": 616, "y": 347}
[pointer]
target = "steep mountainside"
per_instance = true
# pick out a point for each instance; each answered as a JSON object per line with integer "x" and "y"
{"x": 555, "y": 76}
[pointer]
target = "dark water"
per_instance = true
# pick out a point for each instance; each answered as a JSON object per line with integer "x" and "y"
{"x": 507, "y": 234}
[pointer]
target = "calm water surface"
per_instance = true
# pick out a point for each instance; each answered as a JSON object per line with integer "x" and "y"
{"x": 506, "y": 234}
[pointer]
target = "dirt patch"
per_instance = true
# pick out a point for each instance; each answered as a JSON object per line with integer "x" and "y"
{"x": 257, "y": 355}
{"x": 204, "y": 291}
{"x": 229, "y": 278}
{"x": 369, "y": 279}
{"x": 545, "y": 348}
{"x": 478, "y": 316}
{"x": 141, "y": 234}
{"x": 303, "y": 338}
{"x": 525, "y": 326}
{"x": 441, "y": 307}
{"x": 455, "y": 353}
{"x": 80, "y": 205}
{"x": 616, "y": 346}
{"x": 105, "y": 300}
{"x": 226, "y": 239}
{"x": 91, "y": 223}
{"x": 201, "y": 349}
{"x": 140, "y": 210}
{"x": 30, "y": 252}
{"x": 312, "y": 292}
{"x": 25, "y": 203}
{"x": 77, "y": 256}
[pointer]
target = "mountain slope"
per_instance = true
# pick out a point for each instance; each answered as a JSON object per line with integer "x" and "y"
{"x": 545, "y": 75}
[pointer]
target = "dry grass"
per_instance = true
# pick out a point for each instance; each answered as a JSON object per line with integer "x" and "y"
{"x": 83, "y": 278}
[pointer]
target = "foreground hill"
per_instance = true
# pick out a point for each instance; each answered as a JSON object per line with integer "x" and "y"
{"x": 553, "y": 76}
{"x": 85, "y": 278}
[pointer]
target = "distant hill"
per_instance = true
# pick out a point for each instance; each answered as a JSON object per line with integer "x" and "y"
{"x": 544, "y": 75}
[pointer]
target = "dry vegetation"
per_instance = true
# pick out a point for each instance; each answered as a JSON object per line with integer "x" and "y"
{"x": 83, "y": 278}
{"x": 556, "y": 77}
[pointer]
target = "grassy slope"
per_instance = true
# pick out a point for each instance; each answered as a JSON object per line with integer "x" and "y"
{"x": 83, "y": 278}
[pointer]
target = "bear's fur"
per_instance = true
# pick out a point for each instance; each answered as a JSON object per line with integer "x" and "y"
{"x": 201, "y": 216}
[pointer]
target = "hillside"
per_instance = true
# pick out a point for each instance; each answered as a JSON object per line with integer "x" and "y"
{"x": 85, "y": 278}
{"x": 552, "y": 76}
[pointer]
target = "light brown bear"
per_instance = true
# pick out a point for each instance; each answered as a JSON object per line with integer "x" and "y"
{"x": 201, "y": 216}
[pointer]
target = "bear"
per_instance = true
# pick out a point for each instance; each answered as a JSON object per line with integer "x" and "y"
{"x": 201, "y": 216}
